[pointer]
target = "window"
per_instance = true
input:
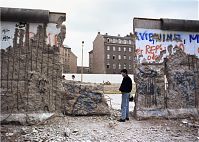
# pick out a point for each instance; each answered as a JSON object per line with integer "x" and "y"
{"x": 129, "y": 41}
{"x": 119, "y": 66}
{"x": 124, "y": 48}
{"x": 125, "y": 57}
{"x": 113, "y": 40}
{"x": 129, "y": 57}
{"x": 124, "y": 41}
{"x": 108, "y": 56}
{"x": 130, "y": 49}
{"x": 108, "y": 66}
{"x": 114, "y": 66}
{"x": 113, "y": 57}
{"x": 119, "y": 40}
{"x": 124, "y": 65}
{"x": 113, "y": 48}
{"x": 108, "y": 47}
{"x": 108, "y": 40}
{"x": 119, "y": 57}
{"x": 119, "y": 48}
{"x": 129, "y": 66}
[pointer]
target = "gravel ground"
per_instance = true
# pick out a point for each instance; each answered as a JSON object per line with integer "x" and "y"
{"x": 103, "y": 129}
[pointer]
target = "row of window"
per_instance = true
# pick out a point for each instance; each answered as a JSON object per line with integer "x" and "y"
{"x": 119, "y": 49}
{"x": 119, "y": 41}
{"x": 119, "y": 66}
{"x": 119, "y": 57}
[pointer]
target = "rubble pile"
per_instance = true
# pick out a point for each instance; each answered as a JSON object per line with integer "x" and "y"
{"x": 84, "y": 99}
{"x": 103, "y": 129}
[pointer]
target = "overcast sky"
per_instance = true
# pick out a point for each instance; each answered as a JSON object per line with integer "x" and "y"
{"x": 85, "y": 18}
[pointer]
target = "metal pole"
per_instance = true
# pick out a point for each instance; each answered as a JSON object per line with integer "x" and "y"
{"x": 82, "y": 62}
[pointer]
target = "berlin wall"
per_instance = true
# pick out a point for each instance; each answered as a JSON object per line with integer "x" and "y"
{"x": 166, "y": 67}
{"x": 30, "y": 63}
{"x": 31, "y": 71}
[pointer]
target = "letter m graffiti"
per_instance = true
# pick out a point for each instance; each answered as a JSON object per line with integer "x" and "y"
{"x": 194, "y": 37}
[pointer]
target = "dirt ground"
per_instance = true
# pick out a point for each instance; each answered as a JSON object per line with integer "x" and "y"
{"x": 103, "y": 129}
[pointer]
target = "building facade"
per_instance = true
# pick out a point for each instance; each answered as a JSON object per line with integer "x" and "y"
{"x": 110, "y": 54}
{"x": 68, "y": 60}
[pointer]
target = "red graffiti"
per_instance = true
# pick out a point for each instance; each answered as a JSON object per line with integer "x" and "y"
{"x": 181, "y": 45}
{"x": 31, "y": 35}
{"x": 139, "y": 52}
{"x": 151, "y": 51}
{"x": 152, "y": 57}
{"x": 53, "y": 38}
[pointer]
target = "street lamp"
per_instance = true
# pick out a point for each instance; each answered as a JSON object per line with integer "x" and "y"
{"x": 82, "y": 62}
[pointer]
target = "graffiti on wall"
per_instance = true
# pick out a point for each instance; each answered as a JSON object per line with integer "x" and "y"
{"x": 147, "y": 86}
{"x": 5, "y": 37}
{"x": 184, "y": 83}
{"x": 8, "y": 30}
{"x": 152, "y": 45}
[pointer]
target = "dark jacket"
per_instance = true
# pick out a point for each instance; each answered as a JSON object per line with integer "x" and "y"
{"x": 126, "y": 85}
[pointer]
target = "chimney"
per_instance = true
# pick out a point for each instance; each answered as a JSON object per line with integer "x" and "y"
{"x": 118, "y": 35}
{"x": 106, "y": 33}
{"x": 98, "y": 33}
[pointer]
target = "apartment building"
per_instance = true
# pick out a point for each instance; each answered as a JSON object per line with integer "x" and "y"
{"x": 68, "y": 60}
{"x": 110, "y": 54}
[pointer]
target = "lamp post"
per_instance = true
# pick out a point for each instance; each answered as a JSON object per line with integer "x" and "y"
{"x": 82, "y": 62}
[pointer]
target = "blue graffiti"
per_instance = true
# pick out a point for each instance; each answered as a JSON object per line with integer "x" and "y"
{"x": 193, "y": 37}
{"x": 146, "y": 36}
{"x": 160, "y": 37}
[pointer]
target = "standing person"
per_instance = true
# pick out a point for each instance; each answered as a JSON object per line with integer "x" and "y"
{"x": 73, "y": 77}
{"x": 125, "y": 89}
{"x": 63, "y": 77}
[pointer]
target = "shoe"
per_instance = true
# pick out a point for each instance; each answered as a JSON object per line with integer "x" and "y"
{"x": 121, "y": 120}
{"x": 127, "y": 119}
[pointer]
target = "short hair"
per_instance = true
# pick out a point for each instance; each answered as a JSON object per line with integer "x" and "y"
{"x": 124, "y": 71}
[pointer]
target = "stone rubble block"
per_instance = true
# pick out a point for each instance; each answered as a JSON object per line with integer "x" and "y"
{"x": 24, "y": 118}
{"x": 84, "y": 99}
